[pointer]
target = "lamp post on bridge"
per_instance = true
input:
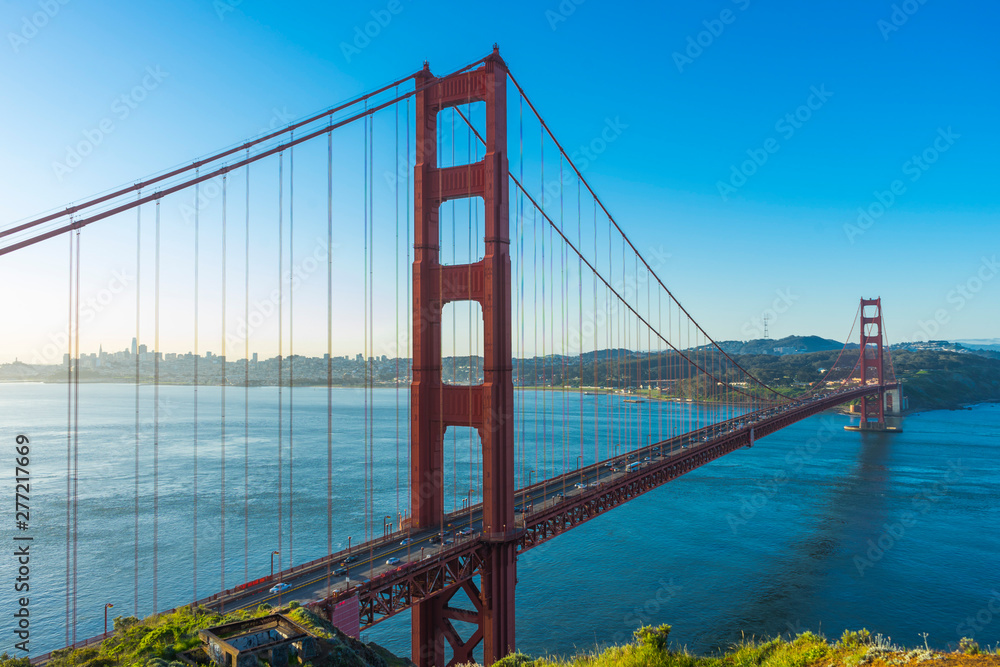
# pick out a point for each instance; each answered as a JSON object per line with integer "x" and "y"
{"x": 106, "y": 607}
{"x": 273, "y": 554}
{"x": 386, "y": 525}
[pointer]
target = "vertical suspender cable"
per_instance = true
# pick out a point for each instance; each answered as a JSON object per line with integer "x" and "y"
{"x": 594, "y": 359}
{"x": 281, "y": 296}
{"x": 138, "y": 302}
{"x": 222, "y": 403}
{"x": 76, "y": 434}
{"x": 329, "y": 341}
{"x": 396, "y": 308}
{"x": 291, "y": 353}
{"x": 562, "y": 315}
{"x": 579, "y": 326}
{"x": 370, "y": 182}
{"x": 156, "y": 411}
{"x": 194, "y": 493}
{"x": 364, "y": 204}
{"x": 246, "y": 382}
{"x": 521, "y": 354}
{"x": 409, "y": 273}
{"x": 454, "y": 328}
{"x": 545, "y": 439}
{"x": 69, "y": 444}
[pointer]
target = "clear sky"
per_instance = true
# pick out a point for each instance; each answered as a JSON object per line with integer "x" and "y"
{"x": 752, "y": 134}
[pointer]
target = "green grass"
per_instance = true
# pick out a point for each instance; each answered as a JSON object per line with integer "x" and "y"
{"x": 156, "y": 641}
{"x": 650, "y": 648}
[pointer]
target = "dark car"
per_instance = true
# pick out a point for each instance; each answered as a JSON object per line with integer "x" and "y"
{"x": 348, "y": 560}
{"x": 340, "y": 570}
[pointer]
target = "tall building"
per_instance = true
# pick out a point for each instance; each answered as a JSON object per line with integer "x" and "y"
{"x": 134, "y": 345}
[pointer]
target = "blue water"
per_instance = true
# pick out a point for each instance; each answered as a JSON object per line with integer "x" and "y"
{"x": 813, "y": 528}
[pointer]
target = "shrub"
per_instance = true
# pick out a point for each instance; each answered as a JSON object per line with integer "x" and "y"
{"x": 653, "y": 637}
{"x": 853, "y": 639}
{"x": 124, "y": 622}
{"x": 513, "y": 660}
{"x": 11, "y": 661}
{"x": 968, "y": 646}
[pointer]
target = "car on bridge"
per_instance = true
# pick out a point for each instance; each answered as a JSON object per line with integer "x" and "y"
{"x": 340, "y": 570}
{"x": 280, "y": 587}
{"x": 406, "y": 540}
{"x": 349, "y": 560}
{"x": 392, "y": 561}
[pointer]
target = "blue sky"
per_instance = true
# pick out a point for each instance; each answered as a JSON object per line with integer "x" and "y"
{"x": 699, "y": 89}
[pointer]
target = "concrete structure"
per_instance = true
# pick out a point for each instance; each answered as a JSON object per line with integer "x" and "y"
{"x": 269, "y": 638}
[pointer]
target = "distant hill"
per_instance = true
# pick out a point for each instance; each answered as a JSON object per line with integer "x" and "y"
{"x": 980, "y": 343}
{"x": 783, "y": 346}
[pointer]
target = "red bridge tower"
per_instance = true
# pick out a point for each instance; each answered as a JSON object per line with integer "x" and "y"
{"x": 872, "y": 364}
{"x": 487, "y": 407}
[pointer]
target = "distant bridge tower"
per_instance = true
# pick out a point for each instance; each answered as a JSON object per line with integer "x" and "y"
{"x": 488, "y": 407}
{"x": 872, "y": 364}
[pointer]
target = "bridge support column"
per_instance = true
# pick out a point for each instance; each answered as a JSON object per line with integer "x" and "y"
{"x": 498, "y": 600}
{"x": 872, "y": 365}
{"x": 488, "y": 407}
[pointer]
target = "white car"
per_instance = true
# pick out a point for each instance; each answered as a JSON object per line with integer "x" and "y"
{"x": 392, "y": 561}
{"x": 278, "y": 588}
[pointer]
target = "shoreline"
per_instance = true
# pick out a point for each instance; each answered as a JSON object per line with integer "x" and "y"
{"x": 591, "y": 391}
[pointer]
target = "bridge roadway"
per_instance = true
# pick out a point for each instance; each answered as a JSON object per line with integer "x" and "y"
{"x": 545, "y": 509}
{"x": 548, "y": 508}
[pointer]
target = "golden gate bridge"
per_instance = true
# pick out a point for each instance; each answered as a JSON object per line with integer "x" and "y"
{"x": 557, "y": 299}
